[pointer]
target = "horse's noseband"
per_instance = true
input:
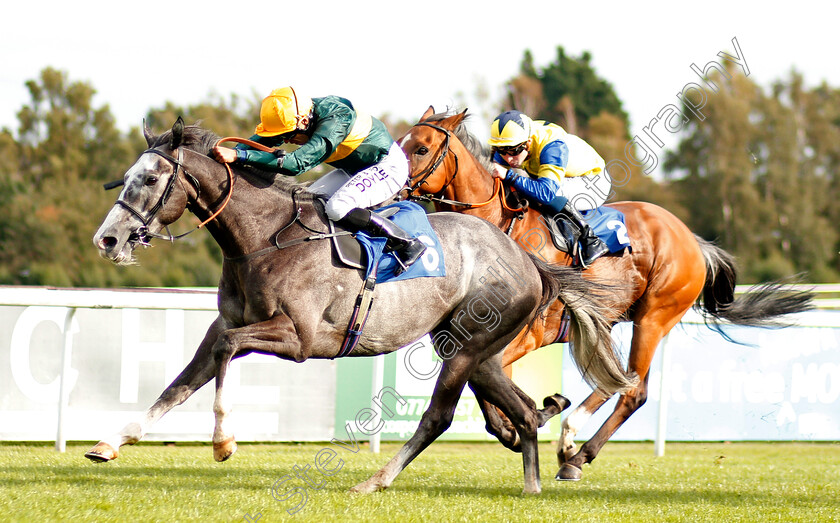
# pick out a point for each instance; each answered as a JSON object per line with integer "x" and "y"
{"x": 142, "y": 235}
{"x": 424, "y": 175}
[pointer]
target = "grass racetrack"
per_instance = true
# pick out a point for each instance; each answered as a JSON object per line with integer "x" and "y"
{"x": 448, "y": 482}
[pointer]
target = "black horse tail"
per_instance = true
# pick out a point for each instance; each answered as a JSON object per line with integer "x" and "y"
{"x": 763, "y": 305}
{"x": 589, "y": 306}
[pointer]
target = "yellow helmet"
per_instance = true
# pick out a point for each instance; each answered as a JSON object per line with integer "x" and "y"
{"x": 281, "y": 111}
{"x": 510, "y": 128}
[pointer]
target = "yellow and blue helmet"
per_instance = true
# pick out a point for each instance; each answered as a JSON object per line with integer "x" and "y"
{"x": 281, "y": 111}
{"x": 509, "y": 129}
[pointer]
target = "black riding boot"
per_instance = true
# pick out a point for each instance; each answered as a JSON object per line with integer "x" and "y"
{"x": 591, "y": 247}
{"x": 407, "y": 249}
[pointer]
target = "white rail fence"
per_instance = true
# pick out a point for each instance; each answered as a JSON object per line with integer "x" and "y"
{"x": 116, "y": 334}
{"x": 795, "y": 377}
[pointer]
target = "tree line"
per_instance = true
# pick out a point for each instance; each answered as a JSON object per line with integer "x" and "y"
{"x": 758, "y": 175}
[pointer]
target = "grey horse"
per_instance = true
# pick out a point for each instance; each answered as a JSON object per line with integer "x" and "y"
{"x": 283, "y": 293}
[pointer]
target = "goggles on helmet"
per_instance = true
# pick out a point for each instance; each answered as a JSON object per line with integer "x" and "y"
{"x": 511, "y": 151}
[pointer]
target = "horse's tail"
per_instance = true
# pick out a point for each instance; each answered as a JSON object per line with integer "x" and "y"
{"x": 762, "y": 305}
{"x": 588, "y": 305}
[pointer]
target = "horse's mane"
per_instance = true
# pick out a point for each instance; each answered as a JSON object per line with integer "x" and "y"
{"x": 475, "y": 146}
{"x": 195, "y": 138}
{"x": 202, "y": 141}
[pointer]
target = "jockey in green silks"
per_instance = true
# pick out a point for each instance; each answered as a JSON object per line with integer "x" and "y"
{"x": 330, "y": 130}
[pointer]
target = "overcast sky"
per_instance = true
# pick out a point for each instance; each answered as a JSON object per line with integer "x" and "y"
{"x": 396, "y": 56}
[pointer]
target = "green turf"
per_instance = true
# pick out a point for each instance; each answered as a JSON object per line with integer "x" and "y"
{"x": 449, "y": 482}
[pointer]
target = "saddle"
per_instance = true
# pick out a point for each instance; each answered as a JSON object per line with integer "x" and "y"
{"x": 345, "y": 246}
{"x": 565, "y": 234}
{"x": 347, "y": 249}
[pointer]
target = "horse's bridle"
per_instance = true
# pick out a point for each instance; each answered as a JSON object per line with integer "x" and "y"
{"x": 437, "y": 197}
{"x": 142, "y": 235}
{"x": 430, "y": 170}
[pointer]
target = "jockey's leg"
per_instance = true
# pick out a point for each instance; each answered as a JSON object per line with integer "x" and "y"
{"x": 369, "y": 187}
{"x": 590, "y": 245}
{"x": 407, "y": 249}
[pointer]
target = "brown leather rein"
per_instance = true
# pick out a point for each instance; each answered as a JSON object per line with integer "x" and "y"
{"x": 436, "y": 198}
{"x": 143, "y": 234}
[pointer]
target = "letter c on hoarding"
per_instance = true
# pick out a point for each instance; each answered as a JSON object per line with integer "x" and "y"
{"x": 20, "y": 348}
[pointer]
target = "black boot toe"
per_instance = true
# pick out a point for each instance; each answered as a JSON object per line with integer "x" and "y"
{"x": 592, "y": 251}
{"x": 412, "y": 252}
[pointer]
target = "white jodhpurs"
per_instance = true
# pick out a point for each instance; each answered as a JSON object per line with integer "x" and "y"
{"x": 370, "y": 186}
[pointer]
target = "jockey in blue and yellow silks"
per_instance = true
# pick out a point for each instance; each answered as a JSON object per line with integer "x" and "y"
{"x": 565, "y": 174}
{"x": 330, "y": 130}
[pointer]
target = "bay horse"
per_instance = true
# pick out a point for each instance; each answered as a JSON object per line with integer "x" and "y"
{"x": 283, "y": 293}
{"x": 667, "y": 271}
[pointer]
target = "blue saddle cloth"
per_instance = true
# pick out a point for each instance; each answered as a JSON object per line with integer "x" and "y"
{"x": 412, "y": 218}
{"x": 608, "y": 224}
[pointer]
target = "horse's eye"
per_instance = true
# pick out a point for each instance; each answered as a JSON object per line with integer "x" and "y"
{"x": 422, "y": 151}
{"x": 151, "y": 180}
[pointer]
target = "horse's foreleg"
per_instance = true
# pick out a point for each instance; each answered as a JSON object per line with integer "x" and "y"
{"x": 435, "y": 421}
{"x": 573, "y": 423}
{"x": 627, "y": 404}
{"x": 552, "y": 406}
{"x": 274, "y": 336}
{"x": 526, "y": 341}
{"x": 194, "y": 376}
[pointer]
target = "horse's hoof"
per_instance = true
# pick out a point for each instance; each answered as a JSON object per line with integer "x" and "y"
{"x": 222, "y": 451}
{"x": 557, "y": 401}
{"x": 568, "y": 473}
{"x": 102, "y": 452}
{"x": 531, "y": 492}
{"x": 367, "y": 487}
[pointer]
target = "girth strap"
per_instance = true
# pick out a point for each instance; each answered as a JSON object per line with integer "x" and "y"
{"x": 364, "y": 301}
{"x": 563, "y": 331}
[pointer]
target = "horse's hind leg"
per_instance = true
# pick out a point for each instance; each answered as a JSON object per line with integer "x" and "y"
{"x": 436, "y": 419}
{"x": 493, "y": 384}
{"x": 500, "y": 426}
{"x": 194, "y": 376}
{"x": 497, "y": 424}
{"x": 647, "y": 333}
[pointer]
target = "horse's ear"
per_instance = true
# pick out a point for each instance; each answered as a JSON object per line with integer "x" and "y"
{"x": 429, "y": 112}
{"x": 177, "y": 133}
{"x": 147, "y": 133}
{"x": 452, "y": 122}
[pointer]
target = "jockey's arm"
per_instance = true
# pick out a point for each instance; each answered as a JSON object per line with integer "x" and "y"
{"x": 244, "y": 154}
{"x": 330, "y": 129}
{"x": 305, "y": 157}
{"x": 542, "y": 189}
{"x": 549, "y": 162}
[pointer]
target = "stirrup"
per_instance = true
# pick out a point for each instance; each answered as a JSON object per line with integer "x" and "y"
{"x": 411, "y": 257}
{"x": 401, "y": 267}
{"x": 599, "y": 251}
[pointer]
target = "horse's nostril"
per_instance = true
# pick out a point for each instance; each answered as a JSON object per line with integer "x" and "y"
{"x": 107, "y": 243}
